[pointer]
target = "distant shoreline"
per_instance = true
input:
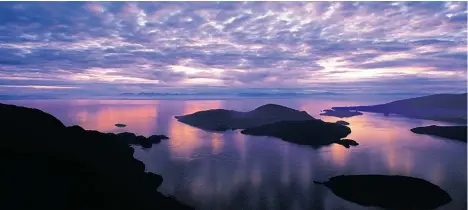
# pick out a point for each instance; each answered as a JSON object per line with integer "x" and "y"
{"x": 211, "y": 97}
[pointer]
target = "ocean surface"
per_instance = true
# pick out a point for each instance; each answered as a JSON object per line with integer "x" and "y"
{"x": 222, "y": 171}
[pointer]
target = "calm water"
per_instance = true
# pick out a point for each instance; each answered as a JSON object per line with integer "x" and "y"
{"x": 234, "y": 171}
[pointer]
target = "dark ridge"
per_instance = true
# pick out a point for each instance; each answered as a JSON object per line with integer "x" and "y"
{"x": 450, "y": 132}
{"x": 389, "y": 192}
{"x": 46, "y": 165}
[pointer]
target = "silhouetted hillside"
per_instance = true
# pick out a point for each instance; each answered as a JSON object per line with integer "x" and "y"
{"x": 46, "y": 165}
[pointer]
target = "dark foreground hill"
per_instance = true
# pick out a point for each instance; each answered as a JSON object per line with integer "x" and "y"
{"x": 46, "y": 165}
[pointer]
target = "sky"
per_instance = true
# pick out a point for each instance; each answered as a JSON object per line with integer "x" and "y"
{"x": 107, "y": 48}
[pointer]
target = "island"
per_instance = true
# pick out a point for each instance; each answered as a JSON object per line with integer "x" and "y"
{"x": 389, "y": 192}
{"x": 315, "y": 133}
{"x": 47, "y": 165}
{"x": 450, "y": 132}
{"x": 120, "y": 125}
{"x": 342, "y": 122}
{"x": 223, "y": 120}
{"x": 275, "y": 121}
{"x": 133, "y": 139}
{"x": 341, "y": 113}
{"x": 438, "y": 107}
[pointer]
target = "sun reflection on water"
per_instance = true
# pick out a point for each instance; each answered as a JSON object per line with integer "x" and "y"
{"x": 185, "y": 140}
{"x": 139, "y": 119}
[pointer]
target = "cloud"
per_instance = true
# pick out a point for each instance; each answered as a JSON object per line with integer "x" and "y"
{"x": 145, "y": 46}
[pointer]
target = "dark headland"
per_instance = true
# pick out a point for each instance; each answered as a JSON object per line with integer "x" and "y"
{"x": 222, "y": 119}
{"x": 438, "y": 107}
{"x": 450, "y": 132}
{"x": 46, "y": 165}
{"x": 389, "y": 192}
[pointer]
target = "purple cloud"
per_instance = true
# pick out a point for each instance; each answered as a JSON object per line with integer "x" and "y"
{"x": 145, "y": 46}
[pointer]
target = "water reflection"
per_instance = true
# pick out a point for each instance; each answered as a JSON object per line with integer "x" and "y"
{"x": 235, "y": 171}
{"x": 239, "y": 141}
{"x": 139, "y": 119}
{"x": 216, "y": 143}
{"x": 184, "y": 139}
{"x": 338, "y": 155}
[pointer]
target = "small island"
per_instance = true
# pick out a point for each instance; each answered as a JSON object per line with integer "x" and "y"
{"x": 389, "y": 192}
{"x": 340, "y": 113}
{"x": 120, "y": 125}
{"x": 315, "y": 133}
{"x": 145, "y": 142}
{"x": 347, "y": 143}
{"x": 439, "y": 107}
{"x": 450, "y": 132}
{"x": 342, "y": 122}
{"x": 47, "y": 165}
{"x": 223, "y": 120}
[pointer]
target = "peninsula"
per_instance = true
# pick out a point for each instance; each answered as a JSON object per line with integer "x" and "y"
{"x": 438, "y": 107}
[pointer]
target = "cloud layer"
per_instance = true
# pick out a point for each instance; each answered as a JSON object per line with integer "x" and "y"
{"x": 108, "y": 48}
